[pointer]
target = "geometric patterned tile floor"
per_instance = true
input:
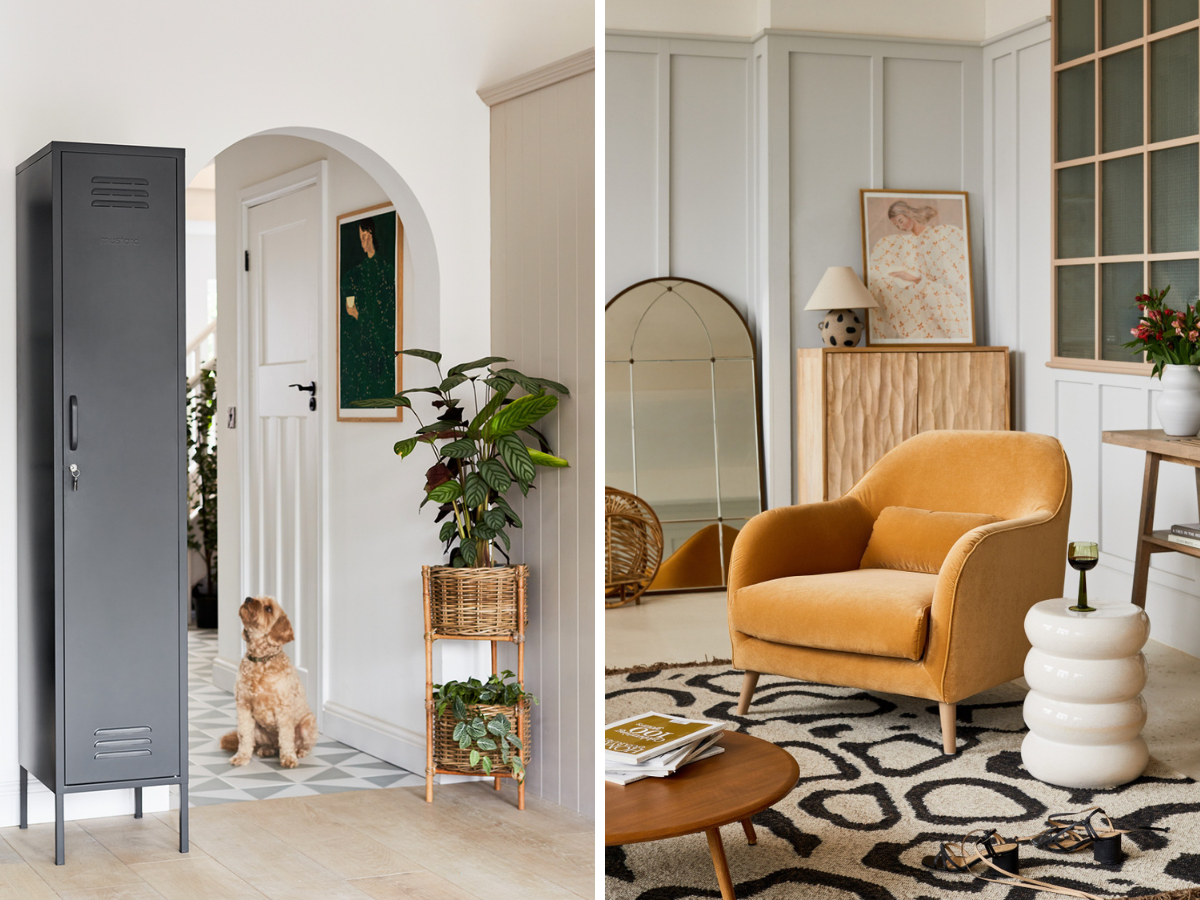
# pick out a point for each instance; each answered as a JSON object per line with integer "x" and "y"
{"x": 332, "y": 767}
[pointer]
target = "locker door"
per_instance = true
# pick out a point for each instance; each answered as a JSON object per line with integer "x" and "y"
{"x": 122, "y": 384}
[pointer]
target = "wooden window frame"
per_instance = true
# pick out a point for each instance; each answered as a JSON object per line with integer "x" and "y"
{"x": 1144, "y": 149}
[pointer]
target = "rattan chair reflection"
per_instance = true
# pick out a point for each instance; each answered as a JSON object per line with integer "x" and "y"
{"x": 633, "y": 547}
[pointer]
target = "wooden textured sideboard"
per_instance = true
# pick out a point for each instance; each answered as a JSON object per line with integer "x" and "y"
{"x": 856, "y": 404}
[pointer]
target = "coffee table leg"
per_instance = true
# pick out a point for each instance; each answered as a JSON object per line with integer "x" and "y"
{"x": 717, "y": 849}
{"x": 751, "y": 837}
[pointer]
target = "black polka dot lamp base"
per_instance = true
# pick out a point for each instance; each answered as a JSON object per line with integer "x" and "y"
{"x": 841, "y": 328}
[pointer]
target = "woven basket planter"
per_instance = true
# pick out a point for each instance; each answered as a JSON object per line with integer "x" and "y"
{"x": 476, "y": 602}
{"x": 448, "y": 755}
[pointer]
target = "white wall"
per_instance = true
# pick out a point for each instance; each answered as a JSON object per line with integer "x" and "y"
{"x": 738, "y": 164}
{"x": 412, "y": 121}
{"x": 543, "y": 318}
{"x": 1075, "y": 406}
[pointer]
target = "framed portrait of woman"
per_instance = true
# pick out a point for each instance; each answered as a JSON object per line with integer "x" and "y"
{"x": 370, "y": 311}
{"x": 917, "y": 266}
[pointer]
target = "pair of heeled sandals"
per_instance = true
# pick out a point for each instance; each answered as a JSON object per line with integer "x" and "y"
{"x": 1065, "y": 833}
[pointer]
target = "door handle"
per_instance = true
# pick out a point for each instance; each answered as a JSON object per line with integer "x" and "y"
{"x": 73, "y": 422}
{"x": 311, "y": 387}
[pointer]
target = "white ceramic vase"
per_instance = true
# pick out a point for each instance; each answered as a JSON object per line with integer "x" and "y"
{"x": 1178, "y": 405}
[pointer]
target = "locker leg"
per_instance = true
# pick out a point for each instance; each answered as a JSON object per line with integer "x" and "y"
{"x": 60, "y": 850}
{"x": 25, "y": 794}
{"x": 137, "y": 802}
{"x": 183, "y": 818}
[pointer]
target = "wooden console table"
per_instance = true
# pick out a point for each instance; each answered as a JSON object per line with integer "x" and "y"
{"x": 1159, "y": 448}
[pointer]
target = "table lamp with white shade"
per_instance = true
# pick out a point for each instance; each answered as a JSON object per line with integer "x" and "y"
{"x": 841, "y": 292}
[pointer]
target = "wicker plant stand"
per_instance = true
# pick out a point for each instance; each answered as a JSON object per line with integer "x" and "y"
{"x": 473, "y": 605}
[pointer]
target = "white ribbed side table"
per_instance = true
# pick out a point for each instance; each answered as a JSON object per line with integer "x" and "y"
{"x": 1085, "y": 711}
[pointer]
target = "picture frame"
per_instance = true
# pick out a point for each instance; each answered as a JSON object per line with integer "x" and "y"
{"x": 370, "y": 311}
{"x": 917, "y": 265}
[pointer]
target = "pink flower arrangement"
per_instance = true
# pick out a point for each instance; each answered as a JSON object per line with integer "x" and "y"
{"x": 1168, "y": 337}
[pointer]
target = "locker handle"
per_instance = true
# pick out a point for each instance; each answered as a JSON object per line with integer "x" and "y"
{"x": 74, "y": 422}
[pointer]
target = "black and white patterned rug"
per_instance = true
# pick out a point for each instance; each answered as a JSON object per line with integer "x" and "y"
{"x": 876, "y": 794}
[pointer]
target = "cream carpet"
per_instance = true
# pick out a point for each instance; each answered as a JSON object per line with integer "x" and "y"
{"x": 876, "y": 794}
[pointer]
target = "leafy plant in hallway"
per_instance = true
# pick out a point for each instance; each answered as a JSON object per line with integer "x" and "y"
{"x": 478, "y": 732}
{"x": 479, "y": 457}
{"x": 202, "y": 485}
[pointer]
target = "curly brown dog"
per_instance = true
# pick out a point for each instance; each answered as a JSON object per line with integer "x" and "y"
{"x": 272, "y": 712}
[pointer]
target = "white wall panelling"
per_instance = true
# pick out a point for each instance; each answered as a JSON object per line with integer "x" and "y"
{"x": 751, "y": 175}
{"x": 1075, "y": 406}
{"x": 543, "y": 281}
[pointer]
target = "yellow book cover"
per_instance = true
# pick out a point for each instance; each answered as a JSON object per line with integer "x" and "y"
{"x": 648, "y": 735}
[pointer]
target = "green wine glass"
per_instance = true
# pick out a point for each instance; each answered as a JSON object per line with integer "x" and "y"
{"x": 1083, "y": 556}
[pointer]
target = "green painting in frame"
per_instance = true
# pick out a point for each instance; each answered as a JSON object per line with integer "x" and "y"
{"x": 370, "y": 274}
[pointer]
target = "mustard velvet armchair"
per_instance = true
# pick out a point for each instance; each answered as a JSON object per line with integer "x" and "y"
{"x": 801, "y": 606}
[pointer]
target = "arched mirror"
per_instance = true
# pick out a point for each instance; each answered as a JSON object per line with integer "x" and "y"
{"x": 682, "y": 422}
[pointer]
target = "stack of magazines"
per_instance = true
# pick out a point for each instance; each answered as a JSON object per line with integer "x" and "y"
{"x": 654, "y": 746}
{"x": 1187, "y": 535}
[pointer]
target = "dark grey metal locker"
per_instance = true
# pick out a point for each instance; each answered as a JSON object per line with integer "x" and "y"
{"x": 101, "y": 472}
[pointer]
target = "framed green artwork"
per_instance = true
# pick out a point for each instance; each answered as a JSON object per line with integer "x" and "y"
{"x": 370, "y": 264}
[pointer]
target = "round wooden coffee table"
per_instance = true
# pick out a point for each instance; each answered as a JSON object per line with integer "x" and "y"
{"x": 749, "y": 776}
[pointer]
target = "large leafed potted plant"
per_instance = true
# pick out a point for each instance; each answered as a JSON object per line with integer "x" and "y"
{"x": 483, "y": 443}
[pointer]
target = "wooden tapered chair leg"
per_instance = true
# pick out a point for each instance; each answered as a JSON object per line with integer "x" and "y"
{"x": 749, "y": 683}
{"x": 949, "y": 731}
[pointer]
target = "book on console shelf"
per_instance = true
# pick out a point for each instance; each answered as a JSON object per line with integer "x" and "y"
{"x": 1188, "y": 530}
{"x": 1184, "y": 540}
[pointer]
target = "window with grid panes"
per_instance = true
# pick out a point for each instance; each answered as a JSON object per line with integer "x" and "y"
{"x": 1126, "y": 170}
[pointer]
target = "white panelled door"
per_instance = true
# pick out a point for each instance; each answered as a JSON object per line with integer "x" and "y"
{"x": 283, "y": 441}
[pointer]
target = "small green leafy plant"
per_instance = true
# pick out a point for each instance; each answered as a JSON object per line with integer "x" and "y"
{"x": 479, "y": 733}
{"x": 202, "y": 491}
{"x": 478, "y": 458}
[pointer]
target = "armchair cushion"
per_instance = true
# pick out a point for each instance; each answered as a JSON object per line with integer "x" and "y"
{"x": 878, "y": 612}
{"x": 917, "y": 540}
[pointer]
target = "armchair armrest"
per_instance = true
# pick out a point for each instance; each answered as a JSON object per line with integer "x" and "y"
{"x": 810, "y": 539}
{"x": 990, "y": 579}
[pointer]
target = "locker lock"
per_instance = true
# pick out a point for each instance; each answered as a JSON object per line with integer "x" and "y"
{"x": 74, "y": 477}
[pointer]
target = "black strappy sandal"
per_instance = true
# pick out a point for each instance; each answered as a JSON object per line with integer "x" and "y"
{"x": 989, "y": 848}
{"x": 998, "y": 855}
{"x": 1069, "y": 832}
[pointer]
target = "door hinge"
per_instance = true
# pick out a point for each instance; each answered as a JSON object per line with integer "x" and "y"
{"x": 247, "y": 260}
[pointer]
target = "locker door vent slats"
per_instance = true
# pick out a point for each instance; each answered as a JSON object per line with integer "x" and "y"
{"x": 121, "y": 187}
{"x": 121, "y": 754}
{"x": 122, "y": 729}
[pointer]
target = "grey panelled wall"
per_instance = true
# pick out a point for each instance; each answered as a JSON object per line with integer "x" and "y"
{"x": 1074, "y": 405}
{"x": 543, "y": 281}
{"x": 739, "y": 162}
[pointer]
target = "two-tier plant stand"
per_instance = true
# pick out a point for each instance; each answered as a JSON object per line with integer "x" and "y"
{"x": 468, "y": 604}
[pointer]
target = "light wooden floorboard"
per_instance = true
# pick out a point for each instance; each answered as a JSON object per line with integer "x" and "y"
{"x": 144, "y": 840}
{"x": 18, "y": 880}
{"x": 187, "y": 879}
{"x": 334, "y": 845}
{"x": 412, "y": 886}
{"x": 94, "y": 866}
{"x": 120, "y": 892}
{"x": 471, "y": 843}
